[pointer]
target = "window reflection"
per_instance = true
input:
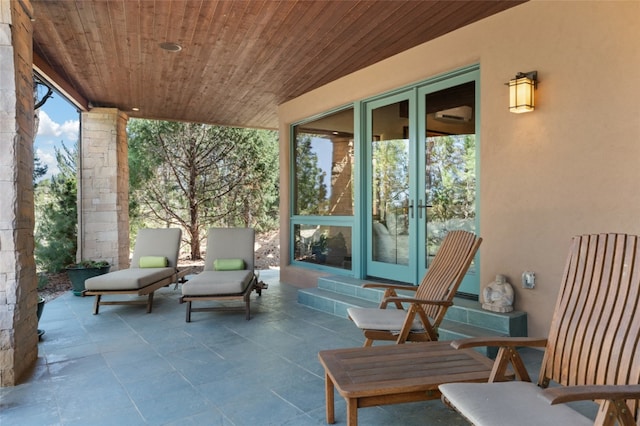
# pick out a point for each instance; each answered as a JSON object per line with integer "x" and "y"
{"x": 324, "y": 166}
{"x": 323, "y": 245}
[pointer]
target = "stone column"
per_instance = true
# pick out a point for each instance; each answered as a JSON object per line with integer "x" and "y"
{"x": 18, "y": 284}
{"x": 103, "y": 188}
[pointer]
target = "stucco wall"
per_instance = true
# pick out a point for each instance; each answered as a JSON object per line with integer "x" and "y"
{"x": 572, "y": 166}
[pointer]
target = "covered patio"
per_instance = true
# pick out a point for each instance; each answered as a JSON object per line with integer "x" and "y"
{"x": 225, "y": 63}
{"x": 124, "y": 366}
{"x": 568, "y": 168}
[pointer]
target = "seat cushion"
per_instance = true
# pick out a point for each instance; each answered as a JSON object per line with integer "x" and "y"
{"x": 381, "y": 319}
{"x": 217, "y": 283}
{"x": 128, "y": 279}
{"x": 508, "y": 403}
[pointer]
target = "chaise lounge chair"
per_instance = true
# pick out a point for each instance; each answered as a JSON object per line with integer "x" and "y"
{"x": 228, "y": 271}
{"x": 432, "y": 297}
{"x": 592, "y": 352}
{"x": 153, "y": 266}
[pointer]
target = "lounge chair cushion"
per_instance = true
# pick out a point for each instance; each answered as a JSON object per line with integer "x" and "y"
{"x": 381, "y": 319}
{"x": 153, "y": 262}
{"x": 228, "y": 264}
{"x": 128, "y": 279}
{"x": 509, "y": 403}
{"x": 217, "y": 283}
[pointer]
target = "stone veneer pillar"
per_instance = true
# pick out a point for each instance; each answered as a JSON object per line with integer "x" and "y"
{"x": 103, "y": 190}
{"x": 18, "y": 288}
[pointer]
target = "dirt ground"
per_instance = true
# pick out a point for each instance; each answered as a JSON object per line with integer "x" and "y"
{"x": 267, "y": 255}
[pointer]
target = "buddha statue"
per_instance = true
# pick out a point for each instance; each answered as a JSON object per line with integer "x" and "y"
{"x": 498, "y": 296}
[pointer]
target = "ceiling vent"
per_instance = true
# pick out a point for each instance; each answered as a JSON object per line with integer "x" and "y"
{"x": 461, "y": 114}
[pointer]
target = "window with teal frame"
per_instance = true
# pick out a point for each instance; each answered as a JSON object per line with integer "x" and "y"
{"x": 322, "y": 190}
{"x": 323, "y": 166}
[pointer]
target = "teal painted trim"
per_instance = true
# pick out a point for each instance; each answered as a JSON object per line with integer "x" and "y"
{"x": 476, "y": 270}
{"x": 292, "y": 188}
{"x": 358, "y": 184}
{"x": 403, "y": 273}
{"x": 432, "y": 80}
{"x": 444, "y": 81}
{"x": 323, "y": 220}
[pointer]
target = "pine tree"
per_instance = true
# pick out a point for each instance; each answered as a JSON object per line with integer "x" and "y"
{"x": 196, "y": 176}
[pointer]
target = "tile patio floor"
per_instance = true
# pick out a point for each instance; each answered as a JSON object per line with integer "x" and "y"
{"x": 126, "y": 367}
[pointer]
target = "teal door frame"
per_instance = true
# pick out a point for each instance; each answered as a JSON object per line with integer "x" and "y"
{"x": 417, "y": 229}
{"x": 471, "y": 283}
{"x": 398, "y": 272}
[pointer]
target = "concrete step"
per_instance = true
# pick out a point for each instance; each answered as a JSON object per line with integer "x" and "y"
{"x": 331, "y": 302}
{"x": 466, "y": 318}
{"x": 470, "y": 312}
{"x": 350, "y": 287}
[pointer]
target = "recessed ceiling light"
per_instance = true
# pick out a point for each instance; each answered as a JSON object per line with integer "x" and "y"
{"x": 170, "y": 47}
{"x": 135, "y": 109}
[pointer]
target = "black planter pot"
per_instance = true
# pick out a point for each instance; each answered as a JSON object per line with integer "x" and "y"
{"x": 40, "y": 306}
{"x": 39, "y": 313}
{"x": 77, "y": 276}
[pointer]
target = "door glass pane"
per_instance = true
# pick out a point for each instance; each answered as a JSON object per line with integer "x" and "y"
{"x": 390, "y": 184}
{"x": 450, "y": 164}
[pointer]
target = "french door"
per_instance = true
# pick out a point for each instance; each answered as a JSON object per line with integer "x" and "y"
{"x": 420, "y": 175}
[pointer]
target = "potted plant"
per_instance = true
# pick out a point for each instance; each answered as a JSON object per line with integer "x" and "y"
{"x": 79, "y": 272}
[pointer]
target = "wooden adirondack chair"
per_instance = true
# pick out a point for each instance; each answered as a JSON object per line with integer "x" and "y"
{"x": 432, "y": 297}
{"x": 593, "y": 348}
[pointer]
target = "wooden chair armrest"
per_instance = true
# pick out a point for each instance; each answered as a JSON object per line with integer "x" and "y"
{"x": 419, "y": 301}
{"x": 473, "y": 342}
{"x": 563, "y": 394}
{"x": 181, "y": 273}
{"x": 391, "y": 286}
{"x": 506, "y": 354}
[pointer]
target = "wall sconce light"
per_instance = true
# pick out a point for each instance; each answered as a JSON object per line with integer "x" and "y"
{"x": 521, "y": 90}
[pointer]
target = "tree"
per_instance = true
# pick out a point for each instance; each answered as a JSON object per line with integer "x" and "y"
{"x": 451, "y": 177}
{"x": 56, "y": 234}
{"x": 39, "y": 170}
{"x": 311, "y": 191}
{"x": 390, "y": 177}
{"x": 195, "y": 176}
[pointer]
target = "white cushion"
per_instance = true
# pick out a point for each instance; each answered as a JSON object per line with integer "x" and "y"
{"x": 381, "y": 319}
{"x": 128, "y": 279}
{"x": 217, "y": 283}
{"x": 507, "y": 404}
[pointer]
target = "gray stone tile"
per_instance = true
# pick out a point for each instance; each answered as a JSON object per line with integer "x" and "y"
{"x": 125, "y": 366}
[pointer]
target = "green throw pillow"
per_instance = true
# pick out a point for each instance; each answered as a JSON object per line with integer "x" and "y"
{"x": 228, "y": 264}
{"x": 153, "y": 262}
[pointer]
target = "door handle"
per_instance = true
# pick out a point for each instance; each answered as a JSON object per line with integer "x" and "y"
{"x": 422, "y": 206}
{"x": 411, "y": 209}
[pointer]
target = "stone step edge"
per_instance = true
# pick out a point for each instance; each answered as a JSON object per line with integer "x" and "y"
{"x": 451, "y": 326}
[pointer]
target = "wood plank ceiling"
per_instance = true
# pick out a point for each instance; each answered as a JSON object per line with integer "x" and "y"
{"x": 239, "y": 59}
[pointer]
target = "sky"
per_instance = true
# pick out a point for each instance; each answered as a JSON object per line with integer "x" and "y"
{"x": 59, "y": 123}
